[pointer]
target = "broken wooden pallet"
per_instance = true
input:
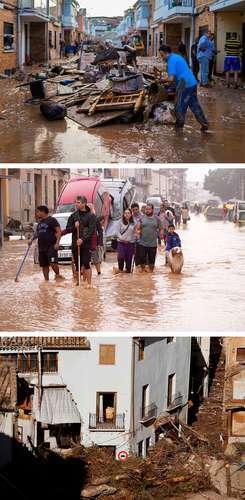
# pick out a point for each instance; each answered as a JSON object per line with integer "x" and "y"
{"x": 117, "y": 102}
{"x": 93, "y": 121}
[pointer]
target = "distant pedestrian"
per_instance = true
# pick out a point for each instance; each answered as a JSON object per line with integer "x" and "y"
{"x": 225, "y": 212}
{"x": 148, "y": 230}
{"x": 177, "y": 217}
{"x": 211, "y": 61}
{"x": 186, "y": 88}
{"x": 194, "y": 61}
{"x": 232, "y": 63}
{"x": 62, "y": 48}
{"x": 126, "y": 237}
{"x": 183, "y": 52}
{"x": 48, "y": 234}
{"x": 204, "y": 56}
{"x": 185, "y": 215}
{"x": 142, "y": 210}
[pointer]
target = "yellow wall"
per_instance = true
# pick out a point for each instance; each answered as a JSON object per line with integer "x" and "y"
{"x": 226, "y": 22}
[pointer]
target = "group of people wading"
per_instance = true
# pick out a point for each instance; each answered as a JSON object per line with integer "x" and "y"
{"x": 136, "y": 238}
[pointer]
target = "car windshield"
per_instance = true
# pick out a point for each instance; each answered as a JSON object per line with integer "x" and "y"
{"x": 62, "y": 221}
{"x": 66, "y": 208}
{"x": 242, "y": 206}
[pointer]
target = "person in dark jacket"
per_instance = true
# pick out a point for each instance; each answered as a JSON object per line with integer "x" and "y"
{"x": 82, "y": 223}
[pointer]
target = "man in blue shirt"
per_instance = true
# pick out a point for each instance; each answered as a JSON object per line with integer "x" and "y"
{"x": 186, "y": 88}
{"x": 205, "y": 53}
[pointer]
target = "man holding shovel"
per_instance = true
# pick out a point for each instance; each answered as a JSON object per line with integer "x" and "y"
{"x": 48, "y": 234}
{"x": 81, "y": 224}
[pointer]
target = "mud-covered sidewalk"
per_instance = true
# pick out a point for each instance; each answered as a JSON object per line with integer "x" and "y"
{"x": 26, "y": 136}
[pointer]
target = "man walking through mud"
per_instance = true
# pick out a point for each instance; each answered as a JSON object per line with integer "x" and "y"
{"x": 82, "y": 223}
{"x": 48, "y": 234}
{"x": 186, "y": 88}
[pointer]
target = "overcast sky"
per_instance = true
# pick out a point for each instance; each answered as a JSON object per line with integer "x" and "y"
{"x": 106, "y": 7}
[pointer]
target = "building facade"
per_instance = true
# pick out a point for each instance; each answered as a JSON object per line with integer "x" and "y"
{"x": 112, "y": 397}
{"x": 8, "y": 36}
{"x": 234, "y": 389}
{"x": 28, "y": 188}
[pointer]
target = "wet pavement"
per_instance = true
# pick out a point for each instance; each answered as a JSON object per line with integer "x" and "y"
{"x": 207, "y": 296}
{"x": 26, "y": 136}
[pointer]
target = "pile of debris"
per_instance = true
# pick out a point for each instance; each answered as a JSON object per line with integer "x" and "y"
{"x": 97, "y": 87}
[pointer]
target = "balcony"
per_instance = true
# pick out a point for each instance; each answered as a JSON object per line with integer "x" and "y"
{"x": 173, "y": 9}
{"x": 101, "y": 424}
{"x": 142, "y": 12}
{"x": 40, "y": 6}
{"x": 148, "y": 413}
{"x": 176, "y": 402}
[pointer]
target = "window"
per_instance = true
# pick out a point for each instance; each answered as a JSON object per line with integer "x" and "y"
{"x": 161, "y": 39}
{"x": 140, "y": 449}
{"x": 141, "y": 349}
{"x": 50, "y": 40}
{"x": 170, "y": 340}
{"x": 240, "y": 354}
{"x": 55, "y": 193}
{"x": 28, "y": 362}
{"x": 106, "y": 407}
{"x": 171, "y": 388}
{"x": 149, "y": 40}
{"x": 145, "y": 399}
{"x": 8, "y": 36}
{"x": 107, "y": 354}
{"x": 147, "y": 445}
{"x": 46, "y": 189}
{"x": 55, "y": 39}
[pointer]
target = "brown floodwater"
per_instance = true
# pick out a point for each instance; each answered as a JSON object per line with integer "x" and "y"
{"x": 207, "y": 296}
{"x": 26, "y": 136}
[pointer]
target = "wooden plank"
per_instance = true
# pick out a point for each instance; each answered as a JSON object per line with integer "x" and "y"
{"x": 96, "y": 120}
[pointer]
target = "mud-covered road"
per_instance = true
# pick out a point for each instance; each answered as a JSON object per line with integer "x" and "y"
{"x": 26, "y": 136}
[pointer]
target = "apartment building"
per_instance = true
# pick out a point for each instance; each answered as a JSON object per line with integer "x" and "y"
{"x": 109, "y": 392}
{"x": 28, "y": 188}
{"x": 39, "y": 30}
{"x": 234, "y": 389}
{"x": 8, "y": 36}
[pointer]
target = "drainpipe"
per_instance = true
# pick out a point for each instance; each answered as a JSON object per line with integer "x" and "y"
{"x": 132, "y": 426}
{"x": 193, "y": 22}
{"x": 18, "y": 38}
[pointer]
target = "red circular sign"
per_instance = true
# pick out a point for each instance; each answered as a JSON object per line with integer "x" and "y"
{"x": 123, "y": 456}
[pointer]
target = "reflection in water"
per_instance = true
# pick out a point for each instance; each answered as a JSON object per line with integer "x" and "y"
{"x": 35, "y": 139}
{"x": 207, "y": 296}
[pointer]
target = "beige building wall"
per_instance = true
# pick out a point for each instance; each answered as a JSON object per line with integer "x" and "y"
{"x": 32, "y": 187}
{"x": 226, "y": 22}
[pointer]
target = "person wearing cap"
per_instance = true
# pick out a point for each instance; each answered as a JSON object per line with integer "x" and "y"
{"x": 186, "y": 88}
{"x": 83, "y": 223}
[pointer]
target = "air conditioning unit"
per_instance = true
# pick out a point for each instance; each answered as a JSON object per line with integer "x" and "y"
{"x": 1, "y": 5}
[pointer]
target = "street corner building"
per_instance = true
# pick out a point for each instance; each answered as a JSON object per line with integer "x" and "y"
{"x": 31, "y": 31}
{"x": 105, "y": 392}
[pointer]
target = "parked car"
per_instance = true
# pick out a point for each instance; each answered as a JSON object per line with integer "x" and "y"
{"x": 239, "y": 212}
{"x": 214, "y": 213}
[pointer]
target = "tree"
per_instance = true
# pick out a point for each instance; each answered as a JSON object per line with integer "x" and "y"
{"x": 226, "y": 183}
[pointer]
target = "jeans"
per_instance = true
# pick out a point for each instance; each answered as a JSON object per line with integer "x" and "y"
{"x": 187, "y": 98}
{"x": 204, "y": 65}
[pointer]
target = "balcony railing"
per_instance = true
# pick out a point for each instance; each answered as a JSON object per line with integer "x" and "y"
{"x": 173, "y": 4}
{"x": 148, "y": 412}
{"x": 177, "y": 401}
{"x": 100, "y": 423}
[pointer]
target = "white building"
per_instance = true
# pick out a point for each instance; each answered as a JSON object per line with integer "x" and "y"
{"x": 103, "y": 391}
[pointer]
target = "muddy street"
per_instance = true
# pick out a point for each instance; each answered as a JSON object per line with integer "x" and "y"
{"x": 207, "y": 296}
{"x": 26, "y": 136}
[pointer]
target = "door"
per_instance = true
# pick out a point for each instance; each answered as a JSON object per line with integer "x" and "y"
{"x": 187, "y": 41}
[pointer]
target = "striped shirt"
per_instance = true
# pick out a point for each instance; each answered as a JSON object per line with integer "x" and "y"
{"x": 233, "y": 48}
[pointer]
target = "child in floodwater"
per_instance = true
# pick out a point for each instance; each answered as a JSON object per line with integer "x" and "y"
{"x": 172, "y": 240}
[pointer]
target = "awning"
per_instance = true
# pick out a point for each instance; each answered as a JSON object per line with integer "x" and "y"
{"x": 57, "y": 407}
{"x": 227, "y": 5}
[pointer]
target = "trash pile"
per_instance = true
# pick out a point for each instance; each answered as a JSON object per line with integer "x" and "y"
{"x": 97, "y": 87}
{"x": 177, "y": 466}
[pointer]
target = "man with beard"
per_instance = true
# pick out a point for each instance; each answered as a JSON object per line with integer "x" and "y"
{"x": 82, "y": 224}
{"x": 148, "y": 230}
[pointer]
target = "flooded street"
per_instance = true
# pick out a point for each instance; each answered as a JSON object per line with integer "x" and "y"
{"x": 207, "y": 296}
{"x": 26, "y": 136}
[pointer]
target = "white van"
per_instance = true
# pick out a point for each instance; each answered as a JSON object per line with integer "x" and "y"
{"x": 239, "y": 212}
